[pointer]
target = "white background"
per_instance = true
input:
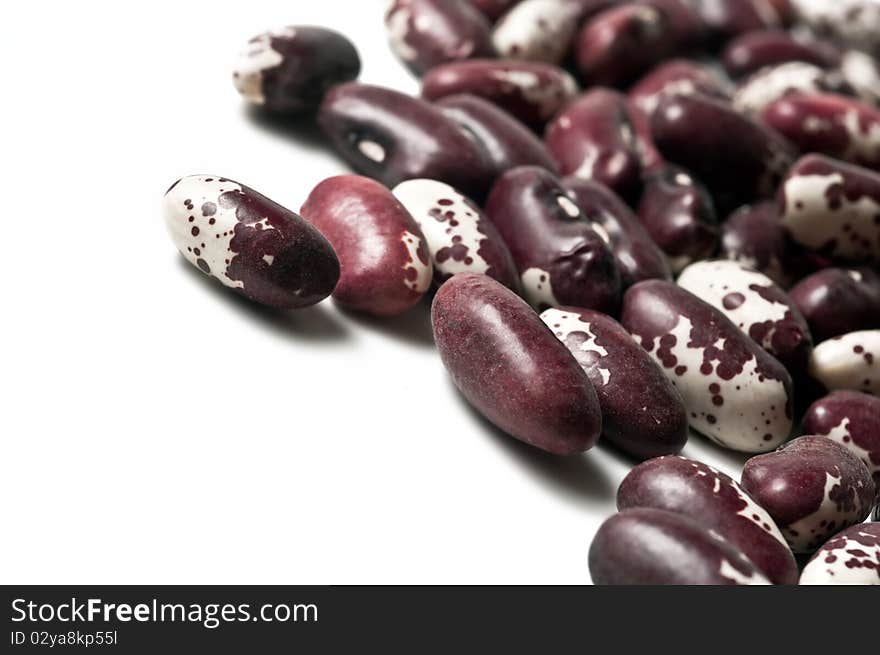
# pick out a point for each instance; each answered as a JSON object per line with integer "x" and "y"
{"x": 157, "y": 429}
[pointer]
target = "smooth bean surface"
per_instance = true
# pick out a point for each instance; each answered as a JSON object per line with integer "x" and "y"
{"x": 850, "y": 361}
{"x": 752, "y": 51}
{"x": 770, "y": 84}
{"x": 836, "y": 301}
{"x": 851, "y": 557}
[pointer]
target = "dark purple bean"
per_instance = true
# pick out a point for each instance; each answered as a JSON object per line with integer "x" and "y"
{"x": 384, "y": 259}
{"x": 736, "y": 393}
{"x": 769, "y": 84}
{"x": 427, "y": 33}
{"x": 677, "y": 77}
{"x": 289, "y": 70}
{"x": 836, "y": 301}
{"x": 493, "y": 9}
{"x": 738, "y": 159}
{"x": 679, "y": 215}
{"x": 848, "y": 362}
{"x": 752, "y": 51}
{"x": 862, "y": 73}
{"x": 249, "y": 243}
{"x": 644, "y": 422}
{"x": 560, "y": 257}
{"x": 649, "y": 156}
{"x": 812, "y": 487}
{"x": 532, "y": 91}
{"x": 653, "y": 547}
{"x": 833, "y": 209}
{"x": 851, "y": 557}
{"x": 537, "y": 30}
{"x": 393, "y": 137}
{"x": 715, "y": 501}
{"x": 637, "y": 256}
{"x": 850, "y": 22}
{"x": 506, "y": 141}
{"x": 726, "y": 19}
{"x": 459, "y": 236}
{"x": 511, "y": 368}
{"x": 593, "y": 139}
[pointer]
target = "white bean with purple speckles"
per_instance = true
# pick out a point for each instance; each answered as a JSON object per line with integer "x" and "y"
{"x": 565, "y": 323}
{"x": 424, "y": 272}
{"x": 538, "y": 288}
{"x": 852, "y": 557}
{"x": 536, "y": 30}
{"x": 770, "y": 84}
{"x": 802, "y": 533}
{"x": 850, "y": 361}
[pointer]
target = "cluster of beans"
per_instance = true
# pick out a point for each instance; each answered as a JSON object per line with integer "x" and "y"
{"x": 689, "y": 190}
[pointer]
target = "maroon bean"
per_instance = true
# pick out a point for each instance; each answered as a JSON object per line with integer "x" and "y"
{"x": 537, "y": 30}
{"x": 291, "y": 69}
{"x": 393, "y": 137}
{"x": 644, "y": 422}
{"x": 560, "y": 257}
{"x": 836, "y": 301}
{"x": 532, "y": 91}
{"x": 511, "y": 368}
{"x": 493, "y": 9}
{"x": 848, "y": 362}
{"x": 736, "y": 394}
{"x": 249, "y": 243}
{"x": 717, "y": 502}
{"x": 649, "y": 156}
{"x": 593, "y": 139}
{"x": 850, "y": 22}
{"x": 812, "y": 487}
{"x": 775, "y": 82}
{"x": 506, "y": 141}
{"x": 384, "y": 260}
{"x": 637, "y": 256}
{"x": 647, "y": 546}
{"x": 677, "y": 77}
{"x": 752, "y": 51}
{"x": 851, "y": 557}
{"x": 726, "y": 19}
{"x": 679, "y": 216}
{"x": 427, "y": 33}
{"x": 862, "y": 73}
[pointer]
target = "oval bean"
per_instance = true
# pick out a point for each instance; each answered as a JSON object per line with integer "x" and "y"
{"x": 677, "y": 77}
{"x": 836, "y": 301}
{"x": 537, "y": 30}
{"x": 774, "y": 82}
{"x": 850, "y": 361}
{"x": 851, "y": 557}
{"x": 752, "y": 51}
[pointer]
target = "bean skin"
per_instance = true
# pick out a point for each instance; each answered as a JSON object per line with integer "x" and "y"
{"x": 493, "y": 9}
{"x": 850, "y": 22}
{"x": 511, "y": 368}
{"x": 752, "y": 51}
{"x": 716, "y": 501}
{"x": 729, "y": 18}
{"x": 770, "y": 84}
{"x": 677, "y": 77}
{"x": 862, "y": 73}
{"x": 644, "y": 422}
{"x": 249, "y": 243}
{"x": 849, "y": 362}
{"x": 537, "y": 30}
{"x": 836, "y": 301}
{"x": 851, "y": 557}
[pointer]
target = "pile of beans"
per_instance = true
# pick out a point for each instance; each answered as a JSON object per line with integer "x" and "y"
{"x": 638, "y": 220}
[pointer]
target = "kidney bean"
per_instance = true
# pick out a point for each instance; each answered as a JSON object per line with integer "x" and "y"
{"x": 736, "y": 393}
{"x": 677, "y": 77}
{"x": 678, "y": 214}
{"x": 561, "y": 258}
{"x": 836, "y": 301}
{"x": 752, "y": 51}
{"x": 637, "y": 256}
{"x": 644, "y": 422}
{"x": 756, "y": 305}
{"x": 851, "y": 22}
{"x": 649, "y": 156}
{"x": 775, "y": 82}
{"x": 427, "y": 33}
{"x": 738, "y": 159}
{"x": 392, "y": 137}
{"x": 834, "y": 125}
{"x": 511, "y": 368}
{"x": 493, "y": 9}
{"x": 850, "y": 361}
{"x": 717, "y": 502}
{"x": 851, "y": 557}
{"x": 249, "y": 243}
{"x": 593, "y": 139}
{"x": 862, "y": 73}
{"x": 384, "y": 261}
{"x": 458, "y": 235}
{"x": 506, "y": 141}
{"x": 812, "y": 487}
{"x": 647, "y": 546}
{"x": 726, "y": 19}
{"x": 289, "y": 70}
{"x": 537, "y": 30}
{"x": 833, "y": 208}
{"x": 532, "y": 91}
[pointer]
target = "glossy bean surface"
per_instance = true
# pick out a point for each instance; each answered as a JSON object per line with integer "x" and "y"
{"x": 836, "y": 301}
{"x": 849, "y": 362}
{"x": 537, "y": 30}
{"x": 851, "y": 557}
{"x": 770, "y": 84}
{"x": 677, "y": 77}
{"x": 752, "y": 51}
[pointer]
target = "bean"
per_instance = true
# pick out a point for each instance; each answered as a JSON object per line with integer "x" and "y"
{"x": 511, "y": 368}
{"x": 752, "y": 51}
{"x": 649, "y": 156}
{"x": 593, "y": 139}
{"x": 850, "y": 361}
{"x": 775, "y": 82}
{"x": 812, "y": 487}
{"x": 393, "y": 137}
{"x": 736, "y": 393}
{"x": 677, "y": 77}
{"x": 862, "y": 73}
{"x": 249, "y": 243}
{"x": 494, "y": 9}
{"x": 427, "y": 33}
{"x": 851, "y": 557}
{"x": 836, "y": 301}
{"x": 852, "y": 22}
{"x": 290, "y": 70}
{"x": 717, "y": 502}
{"x": 647, "y": 546}
{"x": 561, "y": 258}
{"x": 384, "y": 261}
{"x": 638, "y": 257}
{"x": 644, "y": 422}
{"x": 833, "y": 209}
{"x": 729, "y": 18}
{"x": 531, "y": 91}
{"x": 506, "y": 141}
{"x": 756, "y": 305}
{"x": 537, "y": 30}
{"x": 679, "y": 216}
{"x": 459, "y": 236}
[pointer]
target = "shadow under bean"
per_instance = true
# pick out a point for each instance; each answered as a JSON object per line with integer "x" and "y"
{"x": 412, "y": 327}
{"x": 303, "y": 130}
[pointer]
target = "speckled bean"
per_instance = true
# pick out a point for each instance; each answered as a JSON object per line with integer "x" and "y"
{"x": 717, "y": 502}
{"x": 511, "y": 368}
{"x": 851, "y": 22}
{"x": 677, "y": 77}
{"x": 774, "y": 82}
{"x": 836, "y": 301}
{"x": 537, "y": 30}
{"x": 729, "y": 18}
{"x": 249, "y": 243}
{"x": 850, "y": 361}
{"x": 812, "y": 487}
{"x": 862, "y": 73}
{"x": 752, "y": 51}
{"x": 645, "y": 421}
{"x": 851, "y": 557}
{"x": 736, "y": 393}
{"x": 384, "y": 260}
